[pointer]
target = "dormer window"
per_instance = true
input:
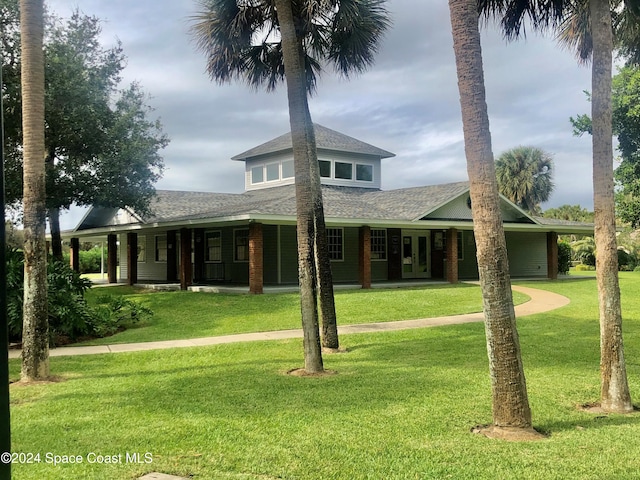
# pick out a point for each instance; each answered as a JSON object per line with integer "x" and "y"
{"x": 343, "y": 170}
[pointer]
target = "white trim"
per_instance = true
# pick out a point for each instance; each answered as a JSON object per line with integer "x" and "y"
{"x": 155, "y": 247}
{"x": 341, "y": 246}
{"x": 386, "y": 245}
{"x": 212, "y": 262}
{"x": 235, "y": 251}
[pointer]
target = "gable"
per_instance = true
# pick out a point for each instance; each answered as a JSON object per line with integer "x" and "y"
{"x": 98, "y": 217}
{"x": 460, "y": 209}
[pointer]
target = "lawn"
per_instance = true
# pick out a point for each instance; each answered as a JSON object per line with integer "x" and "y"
{"x": 401, "y": 406}
{"x": 180, "y": 315}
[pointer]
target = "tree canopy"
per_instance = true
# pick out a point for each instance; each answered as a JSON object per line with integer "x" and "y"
{"x": 626, "y": 126}
{"x": 525, "y": 176}
{"x": 101, "y": 146}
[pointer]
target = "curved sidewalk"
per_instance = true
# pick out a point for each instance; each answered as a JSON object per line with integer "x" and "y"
{"x": 541, "y": 301}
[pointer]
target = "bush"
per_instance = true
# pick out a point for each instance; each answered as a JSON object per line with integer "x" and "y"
{"x": 113, "y": 314}
{"x": 637, "y": 269}
{"x": 90, "y": 260}
{"x": 581, "y": 267}
{"x": 70, "y": 317}
{"x": 564, "y": 257}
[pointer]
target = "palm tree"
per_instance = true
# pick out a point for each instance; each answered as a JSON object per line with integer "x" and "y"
{"x": 35, "y": 336}
{"x": 509, "y": 392}
{"x": 246, "y": 41}
{"x": 525, "y": 177}
{"x": 597, "y": 17}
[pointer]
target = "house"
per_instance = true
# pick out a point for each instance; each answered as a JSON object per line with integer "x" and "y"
{"x": 373, "y": 235}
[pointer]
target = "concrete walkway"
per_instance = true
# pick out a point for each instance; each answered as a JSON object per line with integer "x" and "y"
{"x": 541, "y": 301}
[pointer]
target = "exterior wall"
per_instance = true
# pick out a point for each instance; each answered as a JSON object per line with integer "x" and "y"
{"x": 270, "y": 245}
{"x": 468, "y": 266}
{"x": 379, "y": 270}
{"x": 289, "y": 255}
{"x": 346, "y": 270}
{"x": 149, "y": 270}
{"x": 527, "y": 254}
{"x": 322, "y": 155}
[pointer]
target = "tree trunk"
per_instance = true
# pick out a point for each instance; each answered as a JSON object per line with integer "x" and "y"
{"x": 303, "y": 140}
{"x": 614, "y": 395}
{"x": 509, "y": 391}
{"x": 35, "y": 335}
{"x": 56, "y": 238}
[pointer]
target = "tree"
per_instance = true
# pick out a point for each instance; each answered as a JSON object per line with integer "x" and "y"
{"x": 509, "y": 392}
{"x": 572, "y": 213}
{"x": 614, "y": 394}
{"x": 245, "y": 41}
{"x": 525, "y": 177}
{"x": 85, "y": 141}
{"x": 35, "y": 338}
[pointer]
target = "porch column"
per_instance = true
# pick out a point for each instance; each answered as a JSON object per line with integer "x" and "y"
{"x": 112, "y": 258}
{"x": 172, "y": 256}
{"x": 132, "y": 258}
{"x": 394, "y": 254}
{"x": 364, "y": 257}
{"x": 198, "y": 255}
{"x": 452, "y": 255}
{"x": 552, "y": 255}
{"x": 256, "y": 258}
{"x": 74, "y": 257}
{"x": 185, "y": 258}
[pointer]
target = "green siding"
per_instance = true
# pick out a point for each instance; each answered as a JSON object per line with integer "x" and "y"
{"x": 270, "y": 253}
{"x": 347, "y": 269}
{"x": 288, "y": 254}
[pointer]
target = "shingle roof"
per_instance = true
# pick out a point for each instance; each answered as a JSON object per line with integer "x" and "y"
{"x": 326, "y": 139}
{"x": 339, "y": 202}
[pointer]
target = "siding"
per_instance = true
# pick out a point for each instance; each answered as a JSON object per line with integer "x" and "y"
{"x": 288, "y": 254}
{"x": 270, "y": 253}
{"x": 527, "y": 254}
{"x": 347, "y": 269}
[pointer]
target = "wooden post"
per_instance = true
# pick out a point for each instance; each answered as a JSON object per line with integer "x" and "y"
{"x": 112, "y": 258}
{"x": 185, "y": 258}
{"x": 256, "y": 258}
{"x": 132, "y": 258}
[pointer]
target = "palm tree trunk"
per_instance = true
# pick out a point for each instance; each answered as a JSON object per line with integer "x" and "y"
{"x": 35, "y": 335}
{"x": 509, "y": 391}
{"x": 303, "y": 140}
{"x": 614, "y": 395}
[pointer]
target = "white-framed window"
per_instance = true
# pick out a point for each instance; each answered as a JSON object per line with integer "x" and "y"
{"x": 273, "y": 172}
{"x": 161, "y": 248}
{"x": 364, "y": 172}
{"x": 213, "y": 246}
{"x": 287, "y": 169}
{"x": 257, "y": 174}
{"x": 343, "y": 170}
{"x": 241, "y": 245}
{"x": 335, "y": 243}
{"x": 142, "y": 249}
{"x": 378, "y": 244}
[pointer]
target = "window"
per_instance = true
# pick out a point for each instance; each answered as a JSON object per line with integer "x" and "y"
{"x": 334, "y": 243}
{"x": 142, "y": 249}
{"x": 343, "y": 170}
{"x": 273, "y": 172}
{"x": 257, "y": 174}
{"x": 364, "y": 173}
{"x": 325, "y": 168}
{"x": 287, "y": 169}
{"x": 213, "y": 247}
{"x": 161, "y": 248}
{"x": 378, "y": 244}
{"x": 241, "y": 245}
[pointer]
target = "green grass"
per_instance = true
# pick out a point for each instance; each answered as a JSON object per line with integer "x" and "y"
{"x": 179, "y": 315}
{"x": 400, "y": 406}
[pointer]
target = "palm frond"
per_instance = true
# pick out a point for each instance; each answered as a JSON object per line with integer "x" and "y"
{"x": 513, "y": 14}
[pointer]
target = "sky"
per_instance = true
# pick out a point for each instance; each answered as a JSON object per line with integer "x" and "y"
{"x": 407, "y": 103}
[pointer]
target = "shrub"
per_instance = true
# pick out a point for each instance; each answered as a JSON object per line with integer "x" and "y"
{"x": 581, "y": 267}
{"x": 637, "y": 269}
{"x": 114, "y": 313}
{"x": 69, "y": 314}
{"x": 564, "y": 257}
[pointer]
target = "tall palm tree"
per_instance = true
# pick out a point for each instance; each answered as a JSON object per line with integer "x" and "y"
{"x": 525, "y": 177}
{"x": 509, "y": 392}
{"x": 35, "y": 336}
{"x": 597, "y": 17}
{"x": 243, "y": 40}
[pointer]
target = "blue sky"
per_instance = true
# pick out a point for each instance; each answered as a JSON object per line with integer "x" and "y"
{"x": 407, "y": 103}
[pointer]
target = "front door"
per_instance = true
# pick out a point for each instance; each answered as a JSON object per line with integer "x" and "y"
{"x": 415, "y": 255}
